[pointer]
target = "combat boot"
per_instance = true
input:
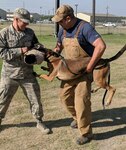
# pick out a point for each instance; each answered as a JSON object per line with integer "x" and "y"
{"x": 42, "y": 127}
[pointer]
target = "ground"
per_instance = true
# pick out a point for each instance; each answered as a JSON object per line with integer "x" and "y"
{"x": 19, "y": 132}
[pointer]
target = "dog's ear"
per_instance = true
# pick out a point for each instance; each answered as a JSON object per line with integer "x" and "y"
{"x": 46, "y": 50}
{"x": 40, "y": 47}
{"x": 37, "y": 46}
{"x": 44, "y": 68}
{"x": 55, "y": 54}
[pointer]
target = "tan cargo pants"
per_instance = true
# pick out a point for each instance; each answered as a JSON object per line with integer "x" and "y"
{"x": 75, "y": 95}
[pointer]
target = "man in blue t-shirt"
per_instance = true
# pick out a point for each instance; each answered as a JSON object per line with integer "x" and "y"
{"x": 78, "y": 39}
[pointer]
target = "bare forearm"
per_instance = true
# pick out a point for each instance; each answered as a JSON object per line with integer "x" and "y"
{"x": 98, "y": 52}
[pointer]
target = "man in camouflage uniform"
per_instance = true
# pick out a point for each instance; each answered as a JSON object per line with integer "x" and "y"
{"x": 15, "y": 41}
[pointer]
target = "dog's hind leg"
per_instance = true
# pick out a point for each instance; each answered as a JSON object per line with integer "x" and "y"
{"x": 100, "y": 78}
{"x": 103, "y": 84}
{"x": 95, "y": 90}
{"x": 111, "y": 92}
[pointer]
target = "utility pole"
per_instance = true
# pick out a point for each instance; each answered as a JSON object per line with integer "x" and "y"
{"x": 107, "y": 19}
{"x": 76, "y": 5}
{"x": 107, "y": 8}
{"x": 57, "y": 4}
{"x": 40, "y": 20}
{"x": 23, "y": 4}
{"x": 93, "y": 13}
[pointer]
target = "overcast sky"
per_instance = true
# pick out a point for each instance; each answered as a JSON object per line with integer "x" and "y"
{"x": 115, "y": 7}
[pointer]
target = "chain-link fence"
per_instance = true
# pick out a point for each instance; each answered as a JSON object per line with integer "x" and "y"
{"x": 49, "y": 29}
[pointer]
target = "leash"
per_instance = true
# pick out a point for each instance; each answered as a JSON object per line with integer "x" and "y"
{"x": 55, "y": 54}
{"x": 103, "y": 65}
{"x": 64, "y": 61}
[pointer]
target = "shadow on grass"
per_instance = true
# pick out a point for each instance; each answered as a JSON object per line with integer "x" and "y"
{"x": 102, "y": 118}
{"x": 51, "y": 124}
{"x": 20, "y": 125}
{"x": 110, "y": 118}
{"x": 60, "y": 122}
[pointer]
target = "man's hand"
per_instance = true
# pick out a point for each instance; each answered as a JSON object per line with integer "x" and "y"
{"x": 58, "y": 48}
{"x": 89, "y": 69}
{"x": 24, "y": 50}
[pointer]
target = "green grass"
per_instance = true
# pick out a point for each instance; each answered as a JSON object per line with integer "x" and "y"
{"x": 114, "y": 38}
{"x": 48, "y": 41}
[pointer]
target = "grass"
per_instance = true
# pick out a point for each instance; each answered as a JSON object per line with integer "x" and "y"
{"x": 18, "y": 131}
{"x": 114, "y": 39}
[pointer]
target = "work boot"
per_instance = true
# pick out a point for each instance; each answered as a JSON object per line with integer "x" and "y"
{"x": 73, "y": 124}
{"x": 42, "y": 127}
{"x": 84, "y": 139}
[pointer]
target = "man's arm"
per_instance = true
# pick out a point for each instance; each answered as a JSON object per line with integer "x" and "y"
{"x": 58, "y": 47}
{"x": 99, "y": 48}
{"x": 9, "y": 53}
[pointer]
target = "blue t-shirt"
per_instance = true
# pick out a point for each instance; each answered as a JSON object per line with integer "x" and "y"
{"x": 86, "y": 36}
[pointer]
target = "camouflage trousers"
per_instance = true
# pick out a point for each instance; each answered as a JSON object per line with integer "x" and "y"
{"x": 31, "y": 90}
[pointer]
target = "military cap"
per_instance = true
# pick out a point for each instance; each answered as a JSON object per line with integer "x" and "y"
{"x": 22, "y": 14}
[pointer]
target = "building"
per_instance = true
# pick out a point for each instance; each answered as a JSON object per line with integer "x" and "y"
{"x": 34, "y": 16}
{"x": 101, "y": 18}
{"x": 2, "y": 14}
{"x": 84, "y": 16}
{"x": 9, "y": 16}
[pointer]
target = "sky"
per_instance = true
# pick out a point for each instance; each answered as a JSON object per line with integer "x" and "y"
{"x": 47, "y": 7}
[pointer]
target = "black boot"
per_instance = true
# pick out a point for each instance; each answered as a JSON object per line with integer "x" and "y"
{"x": 42, "y": 127}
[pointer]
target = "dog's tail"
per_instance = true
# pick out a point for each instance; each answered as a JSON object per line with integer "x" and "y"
{"x": 109, "y": 60}
{"x": 116, "y": 56}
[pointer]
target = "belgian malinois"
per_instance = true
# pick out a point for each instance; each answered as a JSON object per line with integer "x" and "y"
{"x": 66, "y": 69}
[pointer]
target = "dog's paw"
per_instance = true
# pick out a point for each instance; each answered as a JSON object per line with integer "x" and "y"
{"x": 35, "y": 74}
{"x": 107, "y": 103}
{"x": 44, "y": 68}
{"x": 93, "y": 90}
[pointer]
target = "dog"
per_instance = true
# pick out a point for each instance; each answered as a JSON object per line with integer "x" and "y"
{"x": 66, "y": 69}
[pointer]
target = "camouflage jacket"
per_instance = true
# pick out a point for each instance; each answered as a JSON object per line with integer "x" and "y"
{"x": 11, "y": 42}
